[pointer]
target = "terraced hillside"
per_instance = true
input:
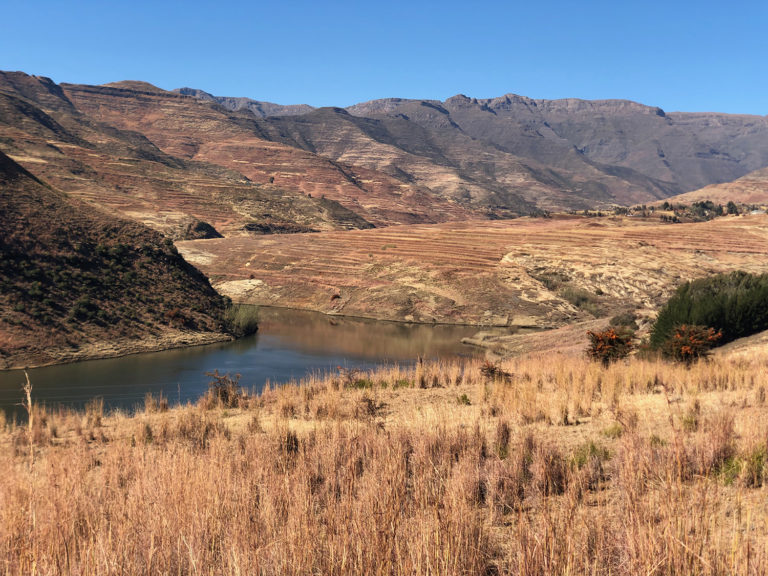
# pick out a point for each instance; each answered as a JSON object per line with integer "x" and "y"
{"x": 202, "y": 131}
{"x": 126, "y": 174}
{"x": 525, "y": 272}
{"x": 169, "y": 159}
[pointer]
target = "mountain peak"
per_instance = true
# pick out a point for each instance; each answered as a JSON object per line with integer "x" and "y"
{"x": 460, "y": 100}
{"x": 135, "y": 85}
{"x": 195, "y": 93}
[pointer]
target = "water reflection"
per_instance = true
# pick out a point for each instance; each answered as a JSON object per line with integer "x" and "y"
{"x": 314, "y": 333}
{"x": 289, "y": 345}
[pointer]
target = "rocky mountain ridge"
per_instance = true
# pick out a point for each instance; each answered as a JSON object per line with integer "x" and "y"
{"x": 258, "y": 108}
{"x": 170, "y": 158}
{"x": 516, "y": 152}
{"x": 678, "y": 149}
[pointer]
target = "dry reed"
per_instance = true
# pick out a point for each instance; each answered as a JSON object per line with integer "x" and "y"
{"x": 549, "y": 468}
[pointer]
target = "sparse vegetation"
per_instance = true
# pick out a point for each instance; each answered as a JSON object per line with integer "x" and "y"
{"x": 581, "y": 299}
{"x": 625, "y": 319}
{"x": 224, "y": 391}
{"x": 70, "y": 275}
{"x": 242, "y": 319}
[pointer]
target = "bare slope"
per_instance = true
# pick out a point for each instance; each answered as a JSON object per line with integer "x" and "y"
{"x": 637, "y": 144}
{"x": 203, "y": 131}
{"x": 125, "y": 173}
{"x": 526, "y": 272}
{"x": 749, "y": 189}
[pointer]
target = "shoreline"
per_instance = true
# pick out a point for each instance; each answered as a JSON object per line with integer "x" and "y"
{"x": 106, "y": 349}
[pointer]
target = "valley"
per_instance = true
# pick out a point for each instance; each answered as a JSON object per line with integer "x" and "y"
{"x": 465, "y": 211}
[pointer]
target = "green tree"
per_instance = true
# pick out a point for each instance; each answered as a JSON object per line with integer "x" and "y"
{"x": 735, "y": 304}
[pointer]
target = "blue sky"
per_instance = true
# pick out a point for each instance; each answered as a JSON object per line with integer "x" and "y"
{"x": 692, "y": 56}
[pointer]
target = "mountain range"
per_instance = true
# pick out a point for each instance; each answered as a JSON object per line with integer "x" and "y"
{"x": 172, "y": 158}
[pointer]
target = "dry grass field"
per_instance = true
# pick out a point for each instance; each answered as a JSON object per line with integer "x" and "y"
{"x": 524, "y": 272}
{"x": 532, "y": 466}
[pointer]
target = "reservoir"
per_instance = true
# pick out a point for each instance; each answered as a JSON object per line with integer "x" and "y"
{"x": 289, "y": 345}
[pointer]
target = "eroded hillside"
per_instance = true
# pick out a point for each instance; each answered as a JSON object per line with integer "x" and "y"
{"x": 524, "y": 272}
{"x": 202, "y": 131}
{"x": 125, "y": 173}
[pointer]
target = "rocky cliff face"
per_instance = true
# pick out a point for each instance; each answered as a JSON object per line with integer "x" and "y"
{"x": 617, "y": 145}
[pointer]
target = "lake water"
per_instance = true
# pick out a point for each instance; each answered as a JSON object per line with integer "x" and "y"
{"x": 290, "y": 344}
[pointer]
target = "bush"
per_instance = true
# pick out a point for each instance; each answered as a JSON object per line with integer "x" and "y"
{"x": 581, "y": 299}
{"x": 495, "y": 372}
{"x": 242, "y": 319}
{"x": 689, "y": 343}
{"x": 609, "y": 345}
{"x": 735, "y": 304}
{"x": 627, "y": 319}
{"x": 224, "y": 391}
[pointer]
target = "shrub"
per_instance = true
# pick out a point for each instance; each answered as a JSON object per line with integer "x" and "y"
{"x": 627, "y": 319}
{"x": 224, "y": 391}
{"x": 614, "y": 431}
{"x": 242, "y": 319}
{"x": 689, "y": 343}
{"x": 463, "y": 400}
{"x": 581, "y": 299}
{"x": 495, "y": 372}
{"x": 609, "y": 345}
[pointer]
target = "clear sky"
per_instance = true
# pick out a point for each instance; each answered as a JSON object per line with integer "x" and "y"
{"x": 679, "y": 55}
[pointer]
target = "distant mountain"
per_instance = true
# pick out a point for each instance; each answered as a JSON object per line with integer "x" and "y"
{"x": 255, "y": 107}
{"x": 516, "y": 153}
{"x": 620, "y": 140}
{"x": 72, "y": 276}
{"x": 170, "y": 159}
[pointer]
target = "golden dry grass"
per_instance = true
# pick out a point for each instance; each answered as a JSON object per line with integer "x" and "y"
{"x": 533, "y": 466}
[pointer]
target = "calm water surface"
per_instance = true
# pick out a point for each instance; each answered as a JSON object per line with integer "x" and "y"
{"x": 290, "y": 344}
